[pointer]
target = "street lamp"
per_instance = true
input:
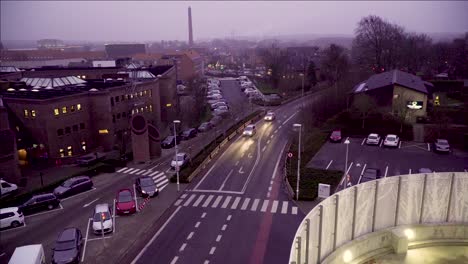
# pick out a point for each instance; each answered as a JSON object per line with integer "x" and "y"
{"x": 346, "y": 164}
{"x": 298, "y": 126}
{"x": 302, "y": 75}
{"x": 176, "y": 161}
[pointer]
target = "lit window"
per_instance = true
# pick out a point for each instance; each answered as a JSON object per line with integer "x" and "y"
{"x": 78, "y": 76}
{"x": 103, "y": 131}
{"x": 141, "y": 93}
{"x": 26, "y": 113}
{"x": 69, "y": 151}
{"x": 131, "y": 96}
{"x": 78, "y": 107}
{"x": 83, "y": 146}
{"x": 146, "y": 108}
{"x": 149, "y": 93}
{"x": 137, "y": 111}
{"x": 64, "y": 110}
{"x": 395, "y": 96}
{"x": 168, "y": 105}
{"x": 72, "y": 108}
{"x": 61, "y": 153}
{"x": 33, "y": 113}
{"x": 151, "y": 108}
{"x": 145, "y": 92}
{"x": 133, "y": 111}
{"x": 141, "y": 109}
{"x": 56, "y": 111}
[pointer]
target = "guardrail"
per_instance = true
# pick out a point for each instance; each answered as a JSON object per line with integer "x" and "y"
{"x": 378, "y": 205}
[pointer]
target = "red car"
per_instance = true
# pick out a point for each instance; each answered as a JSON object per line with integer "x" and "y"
{"x": 335, "y": 136}
{"x": 124, "y": 202}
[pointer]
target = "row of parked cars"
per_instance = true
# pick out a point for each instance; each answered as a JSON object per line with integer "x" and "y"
{"x": 249, "y": 89}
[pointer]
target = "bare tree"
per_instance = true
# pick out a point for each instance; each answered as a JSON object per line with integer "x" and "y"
{"x": 334, "y": 65}
{"x": 365, "y": 105}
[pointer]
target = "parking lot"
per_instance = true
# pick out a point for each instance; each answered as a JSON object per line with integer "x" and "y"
{"x": 407, "y": 158}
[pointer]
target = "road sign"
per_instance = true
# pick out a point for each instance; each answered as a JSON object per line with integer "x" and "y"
{"x": 290, "y": 155}
{"x": 323, "y": 190}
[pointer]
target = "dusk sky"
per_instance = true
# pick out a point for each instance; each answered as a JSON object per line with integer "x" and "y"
{"x": 144, "y": 21}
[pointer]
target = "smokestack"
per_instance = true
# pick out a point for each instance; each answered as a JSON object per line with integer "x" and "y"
{"x": 190, "y": 26}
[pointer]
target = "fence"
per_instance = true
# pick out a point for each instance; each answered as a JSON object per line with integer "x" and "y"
{"x": 378, "y": 205}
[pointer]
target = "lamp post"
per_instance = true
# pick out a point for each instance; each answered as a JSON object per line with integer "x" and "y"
{"x": 302, "y": 102}
{"x": 176, "y": 161}
{"x": 346, "y": 164}
{"x": 298, "y": 126}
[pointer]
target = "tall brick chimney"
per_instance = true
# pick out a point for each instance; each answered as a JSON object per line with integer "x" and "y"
{"x": 190, "y": 26}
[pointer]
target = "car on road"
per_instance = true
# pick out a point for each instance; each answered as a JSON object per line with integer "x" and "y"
{"x": 373, "y": 139}
{"x": 335, "y": 136}
{"x": 370, "y": 174}
{"x": 206, "y": 126}
{"x": 425, "y": 170}
{"x": 442, "y": 146}
{"x": 125, "y": 202}
{"x": 40, "y": 202}
{"x": 102, "y": 220}
{"x": 249, "y": 131}
{"x": 73, "y": 186}
{"x": 7, "y": 188}
{"x": 67, "y": 247}
{"x": 188, "y": 134}
{"x": 270, "y": 116}
{"x": 169, "y": 142}
{"x": 391, "y": 141}
{"x": 11, "y": 217}
{"x": 181, "y": 160}
{"x": 145, "y": 186}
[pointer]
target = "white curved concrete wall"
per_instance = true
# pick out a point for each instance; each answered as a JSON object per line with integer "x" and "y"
{"x": 377, "y": 205}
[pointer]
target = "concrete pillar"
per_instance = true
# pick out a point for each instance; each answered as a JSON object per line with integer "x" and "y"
{"x": 140, "y": 140}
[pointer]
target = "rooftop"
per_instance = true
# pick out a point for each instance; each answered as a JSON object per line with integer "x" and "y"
{"x": 388, "y": 78}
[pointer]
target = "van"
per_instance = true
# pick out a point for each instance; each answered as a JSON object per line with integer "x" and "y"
{"x": 7, "y": 188}
{"x": 30, "y": 254}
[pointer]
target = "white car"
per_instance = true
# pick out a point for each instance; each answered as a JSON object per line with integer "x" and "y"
{"x": 373, "y": 139}
{"x": 270, "y": 116}
{"x": 180, "y": 161}
{"x": 214, "y": 96}
{"x": 218, "y": 104}
{"x": 391, "y": 141}
{"x": 7, "y": 188}
{"x": 221, "y": 110}
{"x": 11, "y": 217}
{"x": 212, "y": 92}
{"x": 249, "y": 131}
{"x": 102, "y": 219}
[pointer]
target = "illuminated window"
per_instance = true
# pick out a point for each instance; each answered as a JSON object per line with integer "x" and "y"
{"x": 151, "y": 108}
{"x": 26, "y": 113}
{"x": 149, "y": 93}
{"x": 141, "y": 109}
{"x": 78, "y": 107}
{"x": 137, "y": 111}
{"x": 103, "y": 131}
{"x": 131, "y": 96}
{"x": 126, "y": 97}
{"x": 146, "y": 108}
{"x": 141, "y": 93}
{"x": 61, "y": 153}
{"x": 133, "y": 111}
{"x": 64, "y": 110}
{"x": 168, "y": 105}
{"x": 56, "y": 111}
{"x": 395, "y": 96}
{"x": 72, "y": 108}
{"x": 145, "y": 92}
{"x": 33, "y": 113}
{"x": 83, "y": 146}
{"x": 69, "y": 151}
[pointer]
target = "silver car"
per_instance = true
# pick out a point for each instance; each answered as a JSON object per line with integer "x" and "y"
{"x": 373, "y": 139}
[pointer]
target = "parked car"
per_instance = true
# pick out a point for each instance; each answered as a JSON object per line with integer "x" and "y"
{"x": 181, "y": 160}
{"x": 206, "y": 126}
{"x": 270, "y": 116}
{"x": 188, "y": 134}
{"x": 221, "y": 111}
{"x": 7, "y": 188}
{"x": 391, "y": 141}
{"x": 335, "y": 136}
{"x": 102, "y": 214}
{"x": 373, "y": 139}
{"x": 214, "y": 92}
{"x": 40, "y": 202}
{"x": 30, "y": 254}
{"x": 90, "y": 159}
{"x": 73, "y": 186}
{"x": 124, "y": 202}
{"x": 145, "y": 186}
{"x": 212, "y": 101}
{"x": 425, "y": 170}
{"x": 169, "y": 142}
{"x": 11, "y": 217}
{"x": 214, "y": 96}
{"x": 67, "y": 246}
{"x": 218, "y": 104}
{"x": 370, "y": 174}
{"x": 215, "y": 120}
{"x": 249, "y": 131}
{"x": 441, "y": 145}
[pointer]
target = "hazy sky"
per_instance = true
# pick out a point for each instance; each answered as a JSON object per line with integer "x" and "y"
{"x": 148, "y": 20}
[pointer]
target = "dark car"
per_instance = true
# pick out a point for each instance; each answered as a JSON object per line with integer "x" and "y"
{"x": 169, "y": 142}
{"x": 73, "y": 186}
{"x": 335, "y": 136}
{"x": 205, "y": 127}
{"x": 68, "y": 246}
{"x": 124, "y": 202}
{"x": 188, "y": 134}
{"x": 145, "y": 186}
{"x": 370, "y": 174}
{"x": 40, "y": 202}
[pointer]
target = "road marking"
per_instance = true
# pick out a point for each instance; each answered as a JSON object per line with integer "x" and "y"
{"x": 168, "y": 170}
{"x": 269, "y": 188}
{"x": 217, "y": 201}
{"x": 284, "y": 209}
{"x": 263, "y": 149}
{"x": 216, "y": 191}
{"x": 198, "y": 201}
{"x": 240, "y": 170}
{"x": 212, "y": 250}
{"x": 190, "y": 235}
{"x": 224, "y": 227}
{"x": 386, "y": 170}
{"x": 160, "y": 185}
{"x": 225, "y": 180}
{"x": 381, "y": 143}
{"x": 218, "y": 238}
{"x": 140, "y": 172}
{"x": 268, "y": 141}
{"x": 410, "y": 171}
{"x": 177, "y": 203}
{"x": 134, "y": 172}
{"x": 158, "y": 175}
{"x": 347, "y": 139}
{"x": 147, "y": 172}
{"x": 289, "y": 118}
{"x": 206, "y": 262}
{"x": 294, "y": 210}
{"x": 276, "y": 131}
{"x": 183, "y": 196}
{"x": 255, "y": 204}
{"x": 182, "y": 247}
{"x": 362, "y": 173}
{"x": 350, "y": 165}
{"x": 86, "y": 240}
{"x": 328, "y": 166}
{"x": 174, "y": 260}
{"x": 208, "y": 200}
{"x": 155, "y": 236}
{"x": 122, "y": 169}
{"x": 362, "y": 143}
{"x": 428, "y": 147}
{"x": 229, "y": 218}
{"x": 237, "y": 163}
{"x": 197, "y": 224}
{"x": 203, "y": 215}
{"x": 268, "y": 194}
{"x": 130, "y": 170}
{"x": 46, "y": 212}
{"x": 127, "y": 169}
{"x": 250, "y": 154}
{"x": 246, "y": 202}
{"x": 236, "y": 202}
{"x": 399, "y": 144}
{"x": 264, "y": 206}
{"x": 189, "y": 200}
{"x": 154, "y": 173}
{"x": 88, "y": 204}
{"x": 226, "y": 202}
{"x": 271, "y": 182}
{"x": 208, "y": 172}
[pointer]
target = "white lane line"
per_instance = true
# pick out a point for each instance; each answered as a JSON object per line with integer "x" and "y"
{"x": 88, "y": 204}
{"x": 229, "y": 218}
{"x": 363, "y": 140}
{"x": 154, "y": 173}
{"x": 217, "y": 201}
{"x": 410, "y": 171}
{"x": 237, "y": 163}
{"x": 235, "y": 203}
{"x": 208, "y": 172}
{"x": 182, "y": 247}
{"x": 155, "y": 236}
{"x": 140, "y": 172}
{"x": 122, "y": 169}
{"x": 203, "y": 215}
{"x": 86, "y": 240}
{"x": 264, "y": 206}
{"x": 189, "y": 200}
{"x": 284, "y": 209}
{"x": 289, "y": 118}
{"x": 174, "y": 260}
{"x": 226, "y": 202}
{"x": 225, "y": 180}
{"x": 255, "y": 204}
{"x": 274, "y": 207}
{"x": 349, "y": 168}
{"x": 224, "y": 227}
{"x": 190, "y": 235}
{"x": 198, "y": 201}
{"x": 399, "y": 144}
{"x": 381, "y": 142}
{"x": 177, "y": 203}
{"x": 212, "y": 250}
{"x": 206, "y": 262}
{"x": 428, "y": 147}
{"x": 208, "y": 200}
{"x": 197, "y": 224}
{"x": 268, "y": 142}
{"x": 263, "y": 149}
{"x": 362, "y": 173}
{"x": 92, "y": 189}
{"x": 246, "y": 202}
{"x": 386, "y": 170}
{"x": 328, "y": 166}
{"x": 294, "y": 210}
{"x": 218, "y": 238}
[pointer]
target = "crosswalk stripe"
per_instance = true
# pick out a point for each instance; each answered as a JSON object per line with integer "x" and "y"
{"x": 135, "y": 171}
{"x": 189, "y": 200}
{"x": 140, "y": 172}
{"x": 178, "y": 202}
{"x": 284, "y": 209}
{"x": 198, "y": 201}
{"x": 216, "y": 202}
{"x": 264, "y": 206}
{"x": 208, "y": 200}
{"x": 236, "y": 202}
{"x": 226, "y": 202}
{"x": 255, "y": 204}
{"x": 246, "y": 202}
{"x": 157, "y": 176}
{"x": 294, "y": 210}
{"x": 162, "y": 188}
{"x": 122, "y": 169}
{"x": 147, "y": 172}
{"x": 274, "y": 207}
{"x": 160, "y": 179}
{"x": 156, "y": 172}
{"x": 162, "y": 183}
{"x": 128, "y": 170}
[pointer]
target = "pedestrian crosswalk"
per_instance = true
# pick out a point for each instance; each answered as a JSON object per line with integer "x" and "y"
{"x": 159, "y": 178}
{"x": 230, "y": 202}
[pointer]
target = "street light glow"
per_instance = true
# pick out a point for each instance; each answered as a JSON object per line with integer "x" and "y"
{"x": 347, "y": 141}
{"x": 297, "y": 125}
{"x": 176, "y": 121}
{"x": 347, "y": 256}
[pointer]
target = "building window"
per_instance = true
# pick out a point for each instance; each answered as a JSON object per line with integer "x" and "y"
{"x": 118, "y": 116}
{"x": 151, "y": 108}
{"x": 395, "y": 96}
{"x": 126, "y": 97}
{"x": 75, "y": 128}
{"x": 33, "y": 113}
{"x": 124, "y": 114}
{"x": 145, "y": 92}
{"x": 141, "y": 109}
{"x": 78, "y": 107}
{"x": 26, "y": 113}
{"x": 69, "y": 151}
{"x": 72, "y": 108}
{"x": 146, "y": 108}
{"x": 112, "y": 101}
{"x": 133, "y": 111}
{"x": 103, "y": 131}
{"x": 64, "y": 110}
{"x": 56, "y": 111}
{"x": 67, "y": 130}
{"x": 122, "y": 98}
{"x": 61, "y": 153}
{"x": 83, "y": 145}
{"x": 131, "y": 96}
{"x": 82, "y": 126}
{"x": 141, "y": 93}
{"x": 117, "y": 99}
{"x": 113, "y": 118}
{"x": 60, "y": 132}
{"x": 149, "y": 93}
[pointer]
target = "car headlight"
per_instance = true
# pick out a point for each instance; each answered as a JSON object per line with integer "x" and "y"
{"x": 133, "y": 205}
{"x": 156, "y": 190}
{"x": 143, "y": 191}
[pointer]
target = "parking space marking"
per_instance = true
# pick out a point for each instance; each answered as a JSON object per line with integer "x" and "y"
{"x": 362, "y": 173}
{"x": 12, "y": 229}
{"x": 363, "y": 140}
{"x": 92, "y": 189}
{"x": 99, "y": 238}
{"x": 46, "y": 212}
{"x": 386, "y": 171}
{"x": 381, "y": 143}
{"x": 328, "y": 166}
{"x": 174, "y": 260}
{"x": 409, "y": 172}
{"x": 86, "y": 240}
{"x": 399, "y": 144}
{"x": 88, "y": 204}
{"x": 428, "y": 147}
{"x": 349, "y": 168}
